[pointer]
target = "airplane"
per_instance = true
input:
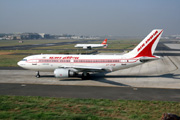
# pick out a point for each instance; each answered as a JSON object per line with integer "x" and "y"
{"x": 89, "y": 46}
{"x": 65, "y": 66}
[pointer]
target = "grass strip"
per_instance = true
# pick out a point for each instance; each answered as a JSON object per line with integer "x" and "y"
{"x": 26, "y": 107}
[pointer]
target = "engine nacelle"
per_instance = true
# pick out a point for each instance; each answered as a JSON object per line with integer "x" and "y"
{"x": 87, "y": 47}
{"x": 63, "y": 73}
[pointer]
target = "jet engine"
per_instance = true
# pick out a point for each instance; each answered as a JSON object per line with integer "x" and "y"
{"x": 87, "y": 47}
{"x": 64, "y": 73}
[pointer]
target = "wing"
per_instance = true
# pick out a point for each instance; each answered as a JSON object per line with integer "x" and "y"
{"x": 86, "y": 68}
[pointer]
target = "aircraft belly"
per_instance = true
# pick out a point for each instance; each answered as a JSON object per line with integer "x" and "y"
{"x": 120, "y": 66}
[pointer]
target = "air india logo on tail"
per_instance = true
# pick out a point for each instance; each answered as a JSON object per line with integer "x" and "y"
{"x": 147, "y": 41}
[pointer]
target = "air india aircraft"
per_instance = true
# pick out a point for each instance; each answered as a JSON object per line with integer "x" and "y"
{"x": 70, "y": 65}
{"x": 89, "y": 46}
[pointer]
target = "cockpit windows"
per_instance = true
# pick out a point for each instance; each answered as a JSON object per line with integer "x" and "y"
{"x": 24, "y": 60}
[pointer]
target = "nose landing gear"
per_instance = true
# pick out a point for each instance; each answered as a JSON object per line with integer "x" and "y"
{"x": 37, "y": 74}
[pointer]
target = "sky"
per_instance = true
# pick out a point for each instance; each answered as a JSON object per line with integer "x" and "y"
{"x": 90, "y": 17}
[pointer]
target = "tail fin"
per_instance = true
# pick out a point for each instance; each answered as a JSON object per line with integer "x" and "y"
{"x": 104, "y": 42}
{"x": 147, "y": 46}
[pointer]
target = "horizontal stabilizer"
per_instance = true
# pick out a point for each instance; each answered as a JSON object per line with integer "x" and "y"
{"x": 147, "y": 59}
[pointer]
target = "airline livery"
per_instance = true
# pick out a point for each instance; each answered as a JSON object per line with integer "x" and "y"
{"x": 70, "y": 65}
{"x": 89, "y": 46}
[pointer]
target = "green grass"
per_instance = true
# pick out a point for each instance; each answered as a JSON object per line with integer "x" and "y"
{"x": 19, "y": 107}
{"x": 10, "y": 60}
{"x": 11, "y": 57}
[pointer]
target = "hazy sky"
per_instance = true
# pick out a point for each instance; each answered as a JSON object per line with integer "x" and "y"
{"x": 90, "y": 17}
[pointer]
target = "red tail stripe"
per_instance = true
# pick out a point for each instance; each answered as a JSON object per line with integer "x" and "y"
{"x": 146, "y": 52}
{"x": 104, "y": 42}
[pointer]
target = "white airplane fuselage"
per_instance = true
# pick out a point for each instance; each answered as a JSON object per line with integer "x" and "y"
{"x": 86, "y": 46}
{"x": 89, "y": 46}
{"x": 50, "y": 62}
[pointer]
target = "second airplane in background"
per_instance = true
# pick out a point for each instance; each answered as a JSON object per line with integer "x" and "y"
{"x": 89, "y": 46}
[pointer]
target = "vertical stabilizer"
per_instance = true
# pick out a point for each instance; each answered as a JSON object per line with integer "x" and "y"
{"x": 104, "y": 42}
{"x": 147, "y": 46}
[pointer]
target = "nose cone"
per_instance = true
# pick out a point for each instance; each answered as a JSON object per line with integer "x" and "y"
{"x": 18, "y": 63}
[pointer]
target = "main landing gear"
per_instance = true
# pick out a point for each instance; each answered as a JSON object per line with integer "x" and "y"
{"x": 37, "y": 74}
{"x": 85, "y": 76}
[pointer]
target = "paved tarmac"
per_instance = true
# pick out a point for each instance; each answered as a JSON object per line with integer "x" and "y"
{"x": 113, "y": 93}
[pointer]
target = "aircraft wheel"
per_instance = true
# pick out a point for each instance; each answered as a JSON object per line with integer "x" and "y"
{"x": 38, "y": 75}
{"x": 85, "y": 76}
